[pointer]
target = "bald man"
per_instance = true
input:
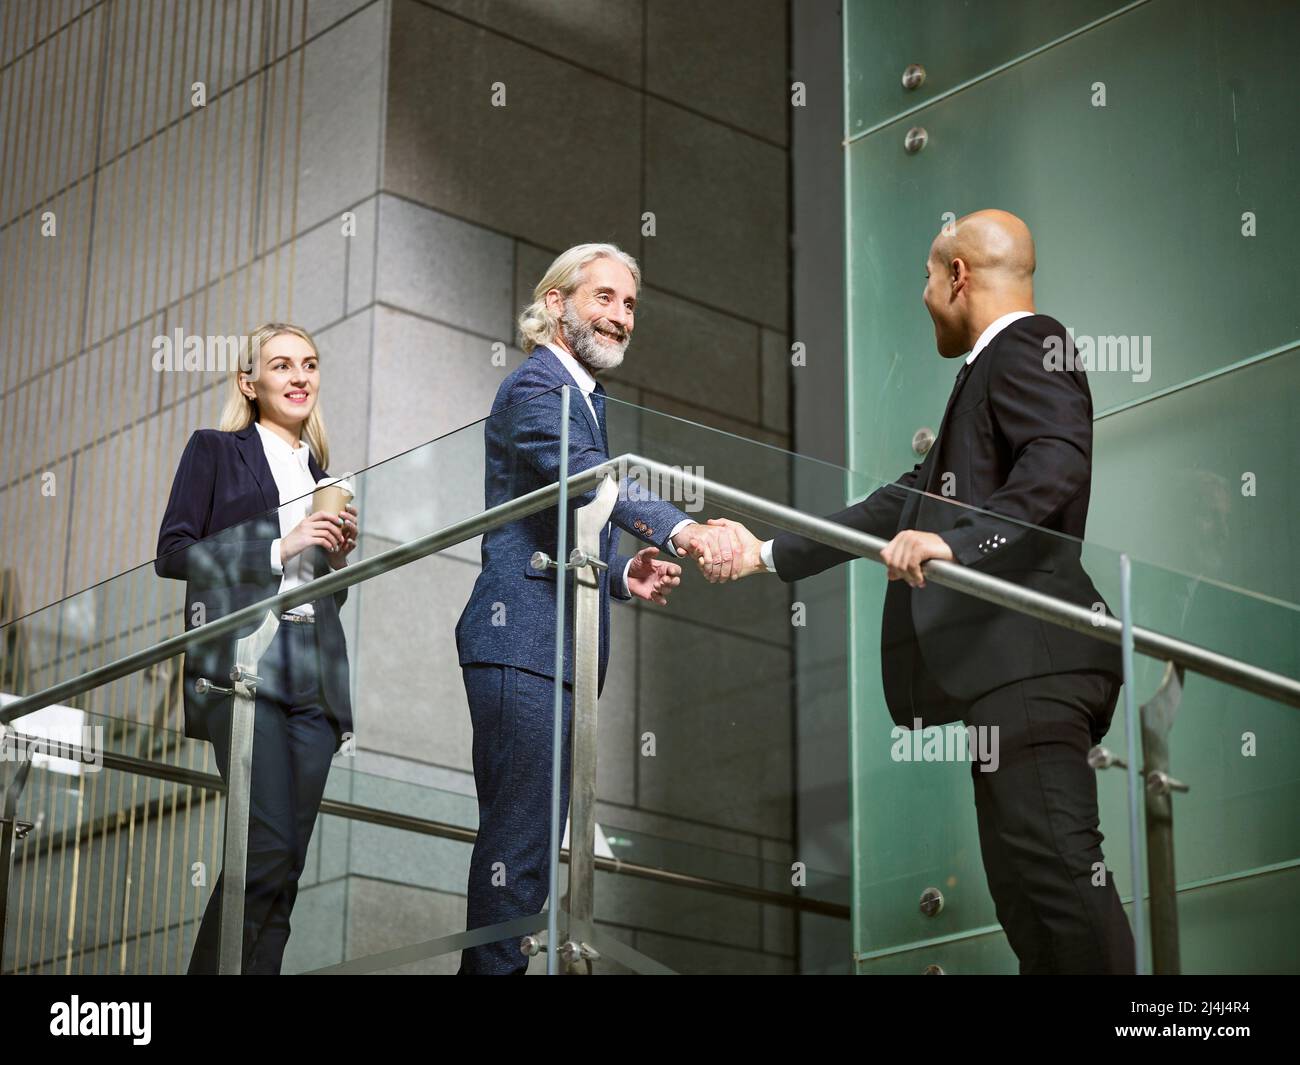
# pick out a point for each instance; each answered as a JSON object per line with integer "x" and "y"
{"x": 1016, "y": 443}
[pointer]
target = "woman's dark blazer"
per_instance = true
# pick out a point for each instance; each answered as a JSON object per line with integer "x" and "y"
{"x": 216, "y": 537}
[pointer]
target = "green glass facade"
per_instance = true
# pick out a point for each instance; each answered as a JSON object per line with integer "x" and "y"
{"x": 1150, "y": 147}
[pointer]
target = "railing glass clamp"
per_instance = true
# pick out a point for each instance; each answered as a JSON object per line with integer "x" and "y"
{"x": 579, "y": 558}
{"x": 1159, "y": 783}
{"x": 21, "y": 828}
{"x": 241, "y": 675}
{"x": 1103, "y": 758}
{"x": 571, "y": 953}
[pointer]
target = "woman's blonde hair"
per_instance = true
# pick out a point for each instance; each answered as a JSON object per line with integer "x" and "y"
{"x": 240, "y": 411}
{"x": 537, "y": 324}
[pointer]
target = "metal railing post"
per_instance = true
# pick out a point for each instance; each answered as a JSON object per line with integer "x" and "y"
{"x": 1157, "y": 720}
{"x": 586, "y": 563}
{"x": 10, "y": 829}
{"x": 1131, "y": 767}
{"x": 234, "y": 865}
{"x": 557, "y": 733}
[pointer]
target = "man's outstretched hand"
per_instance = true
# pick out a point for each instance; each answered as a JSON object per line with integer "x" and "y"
{"x": 909, "y": 550}
{"x": 650, "y": 579}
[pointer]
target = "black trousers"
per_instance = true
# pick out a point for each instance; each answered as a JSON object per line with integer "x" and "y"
{"x": 294, "y": 739}
{"x": 1038, "y": 825}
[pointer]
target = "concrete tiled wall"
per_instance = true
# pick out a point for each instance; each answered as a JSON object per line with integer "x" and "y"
{"x": 477, "y": 201}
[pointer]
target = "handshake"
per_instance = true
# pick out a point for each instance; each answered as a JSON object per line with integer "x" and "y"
{"x": 724, "y": 550}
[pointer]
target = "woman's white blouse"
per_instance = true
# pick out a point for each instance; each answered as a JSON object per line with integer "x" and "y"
{"x": 294, "y": 480}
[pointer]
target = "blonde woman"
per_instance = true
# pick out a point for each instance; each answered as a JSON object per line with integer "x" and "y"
{"x": 238, "y": 529}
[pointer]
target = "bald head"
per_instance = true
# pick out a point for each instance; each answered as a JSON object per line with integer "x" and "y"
{"x": 979, "y": 268}
{"x": 996, "y": 245}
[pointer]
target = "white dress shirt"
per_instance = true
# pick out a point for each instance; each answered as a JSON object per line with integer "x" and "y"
{"x": 580, "y": 374}
{"x": 995, "y": 327}
{"x": 587, "y": 385}
{"x": 294, "y": 480}
{"x": 986, "y": 338}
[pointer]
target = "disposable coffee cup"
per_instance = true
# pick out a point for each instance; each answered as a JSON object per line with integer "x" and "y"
{"x": 332, "y": 494}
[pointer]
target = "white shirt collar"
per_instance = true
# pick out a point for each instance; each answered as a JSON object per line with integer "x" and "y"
{"x": 995, "y": 327}
{"x": 279, "y": 447}
{"x": 580, "y": 374}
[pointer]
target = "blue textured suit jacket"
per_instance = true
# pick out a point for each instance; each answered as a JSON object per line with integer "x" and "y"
{"x": 510, "y": 617}
{"x": 216, "y": 536}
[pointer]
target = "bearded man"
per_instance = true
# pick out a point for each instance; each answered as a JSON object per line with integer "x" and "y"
{"x": 577, "y": 327}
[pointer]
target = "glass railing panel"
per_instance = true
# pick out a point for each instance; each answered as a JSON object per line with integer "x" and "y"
{"x": 913, "y": 827}
{"x": 398, "y": 650}
{"x": 745, "y": 742}
{"x": 1236, "y": 751}
{"x": 114, "y": 872}
{"x": 707, "y": 730}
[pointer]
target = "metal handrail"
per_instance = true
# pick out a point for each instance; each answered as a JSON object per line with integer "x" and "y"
{"x": 319, "y": 588}
{"x": 991, "y": 589}
{"x": 960, "y": 578}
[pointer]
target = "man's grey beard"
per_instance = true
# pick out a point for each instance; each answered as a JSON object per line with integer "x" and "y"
{"x": 580, "y": 335}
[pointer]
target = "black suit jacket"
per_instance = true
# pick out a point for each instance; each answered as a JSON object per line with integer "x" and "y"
{"x": 216, "y": 536}
{"x": 1017, "y": 439}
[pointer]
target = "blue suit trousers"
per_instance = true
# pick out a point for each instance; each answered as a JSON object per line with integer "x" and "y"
{"x": 513, "y": 713}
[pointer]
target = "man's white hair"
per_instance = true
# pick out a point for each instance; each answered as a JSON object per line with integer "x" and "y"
{"x": 537, "y": 325}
